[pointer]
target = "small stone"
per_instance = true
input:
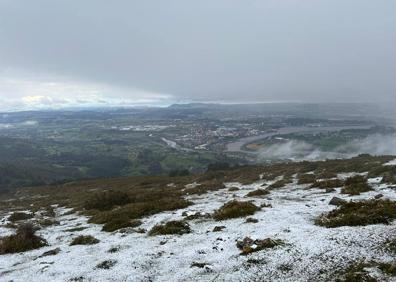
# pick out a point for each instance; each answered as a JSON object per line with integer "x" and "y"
{"x": 218, "y": 228}
{"x": 251, "y": 220}
{"x": 335, "y": 201}
{"x": 51, "y": 252}
{"x": 378, "y": 196}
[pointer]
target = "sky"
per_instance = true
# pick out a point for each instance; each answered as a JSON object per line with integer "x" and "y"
{"x": 62, "y": 53}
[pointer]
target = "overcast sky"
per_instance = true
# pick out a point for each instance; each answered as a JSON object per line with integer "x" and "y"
{"x": 59, "y": 53}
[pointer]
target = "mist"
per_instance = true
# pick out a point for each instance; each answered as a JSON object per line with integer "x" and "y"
{"x": 375, "y": 144}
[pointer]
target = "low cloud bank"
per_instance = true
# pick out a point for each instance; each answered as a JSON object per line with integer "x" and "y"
{"x": 298, "y": 150}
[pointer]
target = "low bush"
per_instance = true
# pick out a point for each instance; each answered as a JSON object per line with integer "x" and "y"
{"x": 234, "y": 209}
{"x": 119, "y": 223}
{"x": 257, "y": 193}
{"x": 280, "y": 183}
{"x": 84, "y": 240}
{"x": 107, "y": 200}
{"x": 23, "y": 240}
{"x": 47, "y": 222}
{"x": 107, "y": 264}
{"x": 233, "y": 189}
{"x": 17, "y": 216}
{"x": 171, "y": 227}
{"x": 356, "y": 273}
{"x": 359, "y": 213}
{"x": 140, "y": 209}
{"x": 306, "y": 178}
{"x": 329, "y": 183}
{"x": 355, "y": 185}
{"x": 388, "y": 268}
{"x": 355, "y": 180}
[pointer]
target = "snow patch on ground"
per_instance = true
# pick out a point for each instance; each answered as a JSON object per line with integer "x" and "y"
{"x": 311, "y": 253}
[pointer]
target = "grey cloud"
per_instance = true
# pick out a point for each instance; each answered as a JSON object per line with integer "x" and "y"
{"x": 209, "y": 50}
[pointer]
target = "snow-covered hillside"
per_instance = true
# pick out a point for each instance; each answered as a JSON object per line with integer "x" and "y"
{"x": 310, "y": 252}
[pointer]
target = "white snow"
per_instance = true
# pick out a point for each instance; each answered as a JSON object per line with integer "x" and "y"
{"x": 311, "y": 252}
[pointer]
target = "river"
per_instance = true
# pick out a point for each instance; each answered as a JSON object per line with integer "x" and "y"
{"x": 237, "y": 146}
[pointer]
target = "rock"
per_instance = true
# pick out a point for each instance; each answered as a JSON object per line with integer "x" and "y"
{"x": 218, "y": 228}
{"x": 199, "y": 264}
{"x": 248, "y": 245}
{"x": 378, "y": 196}
{"x": 51, "y": 252}
{"x": 330, "y": 190}
{"x": 335, "y": 201}
{"x": 251, "y": 220}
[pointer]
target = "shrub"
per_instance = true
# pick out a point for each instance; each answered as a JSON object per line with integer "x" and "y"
{"x": 257, "y": 193}
{"x": 356, "y": 185}
{"x": 357, "y": 273}
{"x": 389, "y": 268}
{"x": 306, "y": 178}
{"x": 279, "y": 184}
{"x": 171, "y": 227}
{"x": 138, "y": 210}
{"x": 356, "y": 189}
{"x": 107, "y": 200}
{"x": 47, "y": 222}
{"x": 118, "y": 223}
{"x": 233, "y": 189}
{"x": 234, "y": 209}
{"x": 355, "y": 180}
{"x": 359, "y": 213}
{"x": 17, "y": 216}
{"x": 107, "y": 264}
{"x": 84, "y": 240}
{"x": 329, "y": 183}
{"x": 197, "y": 215}
{"x": 326, "y": 175}
{"x": 24, "y": 240}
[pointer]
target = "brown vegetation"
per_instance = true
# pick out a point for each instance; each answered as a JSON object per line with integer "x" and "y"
{"x": 23, "y": 240}
{"x": 235, "y": 209}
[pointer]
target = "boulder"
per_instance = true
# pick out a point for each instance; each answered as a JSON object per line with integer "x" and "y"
{"x": 335, "y": 201}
